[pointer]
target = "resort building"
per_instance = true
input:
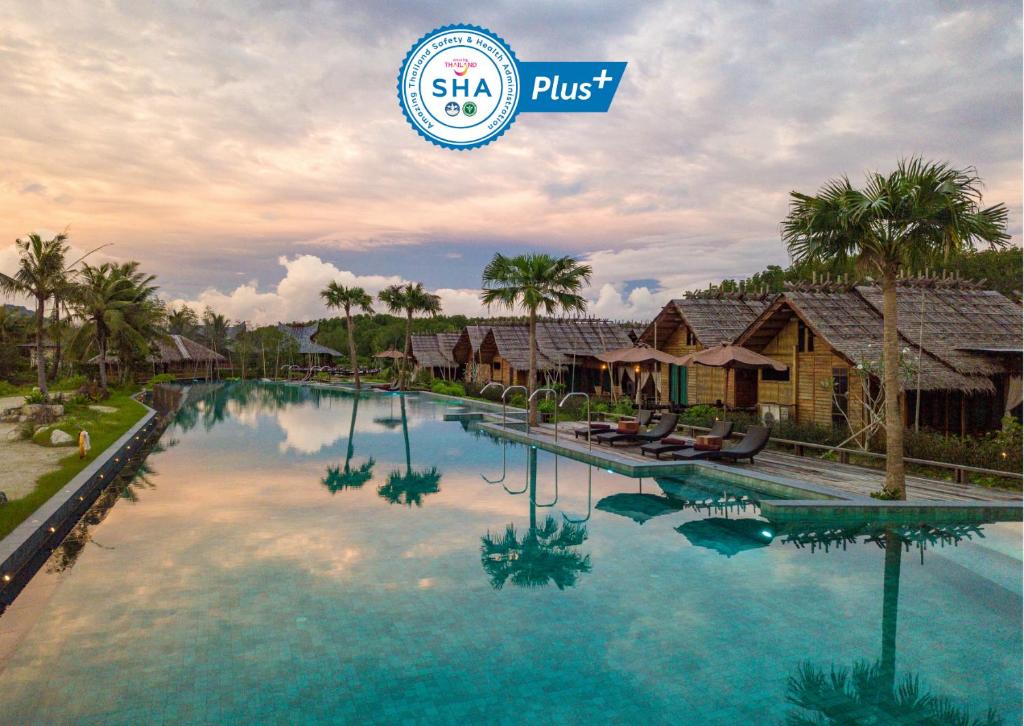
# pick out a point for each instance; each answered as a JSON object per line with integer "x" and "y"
{"x": 312, "y": 352}
{"x": 565, "y": 352}
{"x": 178, "y": 355}
{"x": 699, "y": 321}
{"x": 961, "y": 351}
{"x": 435, "y": 353}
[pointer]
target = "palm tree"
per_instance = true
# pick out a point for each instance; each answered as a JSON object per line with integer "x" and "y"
{"x": 535, "y": 282}
{"x": 215, "y": 329}
{"x": 40, "y": 273}
{"x": 917, "y": 214}
{"x": 410, "y": 299}
{"x": 182, "y": 321}
{"x": 345, "y": 298}
{"x": 104, "y": 298}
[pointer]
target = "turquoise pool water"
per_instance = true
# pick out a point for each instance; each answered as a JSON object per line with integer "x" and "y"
{"x": 291, "y": 557}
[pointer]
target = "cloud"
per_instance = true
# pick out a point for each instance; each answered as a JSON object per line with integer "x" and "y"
{"x": 227, "y": 135}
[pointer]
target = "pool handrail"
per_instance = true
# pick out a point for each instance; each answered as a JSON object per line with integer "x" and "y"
{"x": 530, "y": 399}
{"x": 503, "y": 404}
{"x": 590, "y": 490}
{"x": 554, "y": 501}
{"x": 504, "y": 465}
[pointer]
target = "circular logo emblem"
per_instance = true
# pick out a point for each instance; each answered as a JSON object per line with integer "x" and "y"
{"x": 459, "y": 67}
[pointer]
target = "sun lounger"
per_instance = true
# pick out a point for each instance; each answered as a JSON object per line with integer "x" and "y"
{"x": 643, "y": 418}
{"x": 754, "y": 441}
{"x": 721, "y": 429}
{"x": 665, "y": 426}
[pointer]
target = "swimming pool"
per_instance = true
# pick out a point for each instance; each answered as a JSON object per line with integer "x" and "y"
{"x": 297, "y": 555}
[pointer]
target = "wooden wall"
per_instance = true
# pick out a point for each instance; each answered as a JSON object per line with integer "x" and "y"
{"x": 808, "y": 390}
{"x": 704, "y": 385}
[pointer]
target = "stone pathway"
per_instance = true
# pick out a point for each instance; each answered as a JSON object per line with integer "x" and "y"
{"x": 24, "y": 462}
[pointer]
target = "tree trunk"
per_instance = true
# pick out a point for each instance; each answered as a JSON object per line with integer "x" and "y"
{"x": 102, "y": 345}
{"x": 40, "y": 356}
{"x": 56, "y": 338}
{"x": 352, "y": 349}
{"x": 895, "y": 482}
{"x": 531, "y": 380}
{"x": 403, "y": 376}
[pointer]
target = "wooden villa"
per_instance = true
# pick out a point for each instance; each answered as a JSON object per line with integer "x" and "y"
{"x": 961, "y": 344}
{"x": 698, "y": 321}
{"x": 178, "y": 355}
{"x": 435, "y": 353}
{"x": 565, "y": 352}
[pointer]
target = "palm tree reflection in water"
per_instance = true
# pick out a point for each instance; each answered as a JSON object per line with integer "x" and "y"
{"x": 869, "y": 693}
{"x": 338, "y": 478}
{"x": 410, "y": 487}
{"x": 545, "y": 553}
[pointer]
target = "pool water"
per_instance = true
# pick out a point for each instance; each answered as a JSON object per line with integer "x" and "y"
{"x": 306, "y": 556}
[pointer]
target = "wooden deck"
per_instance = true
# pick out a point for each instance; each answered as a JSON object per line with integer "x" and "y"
{"x": 844, "y": 477}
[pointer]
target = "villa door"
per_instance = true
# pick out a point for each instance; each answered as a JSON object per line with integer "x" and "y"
{"x": 677, "y": 381}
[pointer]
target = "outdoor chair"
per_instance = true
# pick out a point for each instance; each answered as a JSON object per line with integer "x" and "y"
{"x": 643, "y": 418}
{"x": 665, "y": 426}
{"x": 721, "y": 429}
{"x": 754, "y": 441}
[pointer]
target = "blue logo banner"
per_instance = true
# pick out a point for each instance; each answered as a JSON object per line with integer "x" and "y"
{"x": 568, "y": 86}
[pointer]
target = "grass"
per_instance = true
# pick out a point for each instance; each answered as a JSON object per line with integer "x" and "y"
{"x": 104, "y": 429}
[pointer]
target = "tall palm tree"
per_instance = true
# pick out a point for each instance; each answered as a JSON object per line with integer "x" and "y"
{"x": 215, "y": 329}
{"x": 535, "y": 282}
{"x": 40, "y": 272}
{"x": 144, "y": 319}
{"x": 345, "y": 298}
{"x": 410, "y": 299}
{"x": 921, "y": 212}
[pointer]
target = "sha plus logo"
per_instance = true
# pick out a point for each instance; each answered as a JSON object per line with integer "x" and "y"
{"x": 461, "y": 86}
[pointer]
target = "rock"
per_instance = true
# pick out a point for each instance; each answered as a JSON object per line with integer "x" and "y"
{"x": 3, "y": 498}
{"x": 103, "y": 409}
{"x": 59, "y": 438}
{"x": 32, "y": 409}
{"x": 14, "y": 435}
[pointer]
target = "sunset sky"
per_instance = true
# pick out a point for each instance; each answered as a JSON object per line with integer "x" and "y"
{"x": 247, "y": 153}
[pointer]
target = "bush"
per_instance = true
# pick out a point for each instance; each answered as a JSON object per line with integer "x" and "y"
{"x": 322, "y": 377}
{"x": 91, "y": 392}
{"x": 70, "y": 383}
{"x": 159, "y": 378}
{"x": 453, "y": 388}
{"x": 996, "y": 450}
{"x": 35, "y": 396}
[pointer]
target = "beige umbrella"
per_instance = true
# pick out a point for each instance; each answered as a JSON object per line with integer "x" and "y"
{"x": 390, "y": 353}
{"x": 729, "y": 356}
{"x": 636, "y": 355}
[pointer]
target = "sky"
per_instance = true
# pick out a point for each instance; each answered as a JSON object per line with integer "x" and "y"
{"x": 248, "y": 153}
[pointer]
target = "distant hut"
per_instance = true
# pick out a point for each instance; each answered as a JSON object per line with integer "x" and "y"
{"x": 961, "y": 344}
{"x": 313, "y": 353}
{"x": 177, "y": 355}
{"x": 434, "y": 352}
{"x": 700, "y": 321}
{"x": 466, "y": 353}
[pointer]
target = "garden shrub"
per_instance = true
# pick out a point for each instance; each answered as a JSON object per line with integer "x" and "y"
{"x": 159, "y": 378}
{"x": 70, "y": 383}
{"x": 448, "y": 388}
{"x": 35, "y": 396}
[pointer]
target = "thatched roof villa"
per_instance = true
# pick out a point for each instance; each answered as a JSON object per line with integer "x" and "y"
{"x": 305, "y": 337}
{"x": 434, "y": 351}
{"x": 698, "y": 321}
{"x": 178, "y": 355}
{"x": 968, "y": 342}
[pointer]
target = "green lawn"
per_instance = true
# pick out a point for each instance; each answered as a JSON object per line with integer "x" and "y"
{"x": 104, "y": 429}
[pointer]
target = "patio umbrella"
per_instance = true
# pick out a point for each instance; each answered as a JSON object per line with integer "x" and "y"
{"x": 390, "y": 353}
{"x": 727, "y": 537}
{"x": 729, "y": 356}
{"x": 638, "y": 507}
{"x": 637, "y": 355}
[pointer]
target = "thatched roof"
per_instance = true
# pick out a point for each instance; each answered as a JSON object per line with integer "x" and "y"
{"x": 175, "y": 349}
{"x": 956, "y": 320}
{"x": 434, "y": 351}
{"x": 851, "y": 326}
{"x": 714, "y": 319}
{"x": 305, "y": 336}
{"x": 559, "y": 342}
{"x": 467, "y": 346}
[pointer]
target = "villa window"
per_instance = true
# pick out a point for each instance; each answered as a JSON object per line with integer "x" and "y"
{"x": 770, "y": 374}
{"x": 691, "y": 339}
{"x": 496, "y": 365}
{"x": 840, "y": 396}
{"x": 804, "y": 338}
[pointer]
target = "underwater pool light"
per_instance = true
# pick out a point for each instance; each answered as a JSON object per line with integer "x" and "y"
{"x": 766, "y": 533}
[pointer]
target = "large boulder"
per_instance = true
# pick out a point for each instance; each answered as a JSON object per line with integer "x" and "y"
{"x": 33, "y": 410}
{"x": 59, "y": 438}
